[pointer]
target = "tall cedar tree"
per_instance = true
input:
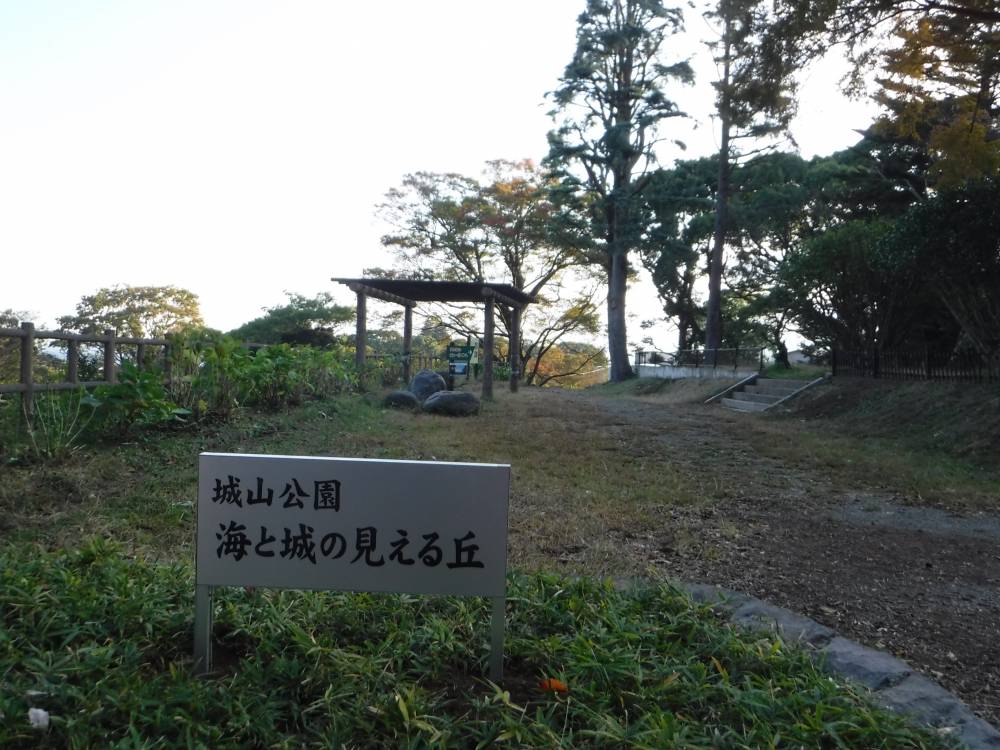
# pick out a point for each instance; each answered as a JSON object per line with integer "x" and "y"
{"x": 754, "y": 102}
{"x": 609, "y": 104}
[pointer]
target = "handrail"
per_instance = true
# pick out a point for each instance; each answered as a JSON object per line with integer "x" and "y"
{"x": 731, "y": 388}
{"x": 810, "y": 384}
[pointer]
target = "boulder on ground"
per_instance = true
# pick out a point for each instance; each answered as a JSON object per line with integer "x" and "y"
{"x": 401, "y": 400}
{"x": 452, "y": 404}
{"x": 426, "y": 382}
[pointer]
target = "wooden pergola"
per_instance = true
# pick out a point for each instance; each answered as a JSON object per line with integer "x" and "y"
{"x": 408, "y": 293}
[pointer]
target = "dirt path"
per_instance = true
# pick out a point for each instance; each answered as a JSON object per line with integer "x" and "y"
{"x": 921, "y": 583}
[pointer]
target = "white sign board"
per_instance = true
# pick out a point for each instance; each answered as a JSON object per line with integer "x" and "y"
{"x": 418, "y": 527}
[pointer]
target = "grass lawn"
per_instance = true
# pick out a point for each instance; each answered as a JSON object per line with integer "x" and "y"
{"x": 98, "y": 633}
{"x": 102, "y": 643}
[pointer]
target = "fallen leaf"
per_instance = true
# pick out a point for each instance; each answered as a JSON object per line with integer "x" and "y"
{"x": 552, "y": 685}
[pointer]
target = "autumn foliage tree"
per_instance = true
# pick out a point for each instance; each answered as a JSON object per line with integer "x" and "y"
{"x": 505, "y": 228}
{"x": 937, "y": 72}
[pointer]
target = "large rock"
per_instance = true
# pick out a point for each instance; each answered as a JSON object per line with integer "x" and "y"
{"x": 452, "y": 404}
{"x": 425, "y": 383}
{"x": 401, "y": 400}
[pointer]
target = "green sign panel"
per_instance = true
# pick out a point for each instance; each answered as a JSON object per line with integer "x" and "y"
{"x": 461, "y": 353}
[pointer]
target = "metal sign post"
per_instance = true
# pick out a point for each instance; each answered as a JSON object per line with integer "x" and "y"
{"x": 497, "y": 628}
{"x": 202, "y": 629}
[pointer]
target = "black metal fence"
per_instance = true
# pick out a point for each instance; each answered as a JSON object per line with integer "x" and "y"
{"x": 732, "y": 359}
{"x": 916, "y": 364}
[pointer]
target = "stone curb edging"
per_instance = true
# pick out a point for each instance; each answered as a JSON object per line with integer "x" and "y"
{"x": 894, "y": 683}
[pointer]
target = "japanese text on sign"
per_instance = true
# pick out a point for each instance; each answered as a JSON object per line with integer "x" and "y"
{"x": 405, "y": 526}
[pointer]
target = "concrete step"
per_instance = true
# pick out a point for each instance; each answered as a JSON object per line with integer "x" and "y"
{"x": 758, "y": 398}
{"x": 764, "y": 387}
{"x": 737, "y": 405}
{"x": 790, "y": 383}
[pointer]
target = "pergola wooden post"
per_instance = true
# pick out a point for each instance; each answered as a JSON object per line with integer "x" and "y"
{"x": 515, "y": 347}
{"x": 407, "y": 341}
{"x": 361, "y": 332}
{"x": 488, "y": 344}
{"x": 491, "y": 294}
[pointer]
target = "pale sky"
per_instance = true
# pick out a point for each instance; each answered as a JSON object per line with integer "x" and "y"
{"x": 237, "y": 148}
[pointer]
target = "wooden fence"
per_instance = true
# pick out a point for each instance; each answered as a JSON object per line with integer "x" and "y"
{"x": 27, "y": 386}
{"x": 391, "y": 365}
{"x": 916, "y": 364}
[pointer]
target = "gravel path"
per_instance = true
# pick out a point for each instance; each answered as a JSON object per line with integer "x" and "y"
{"x": 921, "y": 583}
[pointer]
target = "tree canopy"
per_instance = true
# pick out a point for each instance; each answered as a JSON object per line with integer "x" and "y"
{"x": 135, "y": 311}
{"x": 937, "y": 71}
{"x": 302, "y": 320}
{"x": 505, "y": 228}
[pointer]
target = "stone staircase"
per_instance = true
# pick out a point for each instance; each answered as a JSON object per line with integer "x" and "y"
{"x": 762, "y": 393}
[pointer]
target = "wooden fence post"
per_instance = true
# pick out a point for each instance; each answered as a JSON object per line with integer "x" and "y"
{"x": 140, "y": 355}
{"x": 168, "y": 368}
{"x": 73, "y": 361}
{"x": 109, "y": 357}
{"x": 27, "y": 369}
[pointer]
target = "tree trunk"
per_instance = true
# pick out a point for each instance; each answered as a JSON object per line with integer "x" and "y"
{"x": 782, "y": 355}
{"x": 621, "y": 368}
{"x": 713, "y": 324}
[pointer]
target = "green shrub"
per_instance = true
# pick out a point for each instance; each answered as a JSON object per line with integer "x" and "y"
{"x": 59, "y": 424}
{"x": 214, "y": 374}
{"x": 138, "y": 398}
{"x": 207, "y": 372}
{"x": 211, "y": 375}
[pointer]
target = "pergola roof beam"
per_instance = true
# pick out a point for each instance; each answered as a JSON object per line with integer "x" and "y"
{"x": 501, "y": 298}
{"x": 371, "y": 291}
{"x": 421, "y": 290}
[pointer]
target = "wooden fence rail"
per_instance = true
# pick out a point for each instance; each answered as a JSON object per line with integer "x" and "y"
{"x": 393, "y": 365}
{"x": 27, "y": 386}
{"x": 27, "y": 334}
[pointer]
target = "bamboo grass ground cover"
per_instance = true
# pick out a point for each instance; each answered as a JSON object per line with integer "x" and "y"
{"x": 103, "y": 643}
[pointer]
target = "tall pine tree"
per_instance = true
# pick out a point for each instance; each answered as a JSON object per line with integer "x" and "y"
{"x": 609, "y": 103}
{"x": 754, "y": 101}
